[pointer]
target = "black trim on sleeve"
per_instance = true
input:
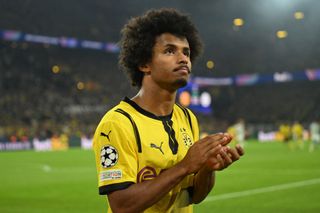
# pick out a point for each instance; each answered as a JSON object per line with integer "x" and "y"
{"x": 190, "y": 191}
{"x": 135, "y": 128}
{"x": 107, "y": 189}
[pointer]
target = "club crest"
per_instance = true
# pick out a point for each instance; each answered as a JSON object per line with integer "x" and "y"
{"x": 186, "y": 138}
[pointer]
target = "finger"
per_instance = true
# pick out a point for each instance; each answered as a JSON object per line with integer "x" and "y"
{"x": 220, "y": 162}
{"x": 209, "y": 143}
{"x": 215, "y": 147}
{"x": 222, "y": 139}
{"x": 214, "y": 137}
{"x": 212, "y": 140}
{"x": 214, "y": 151}
{"x": 233, "y": 154}
{"x": 227, "y": 139}
{"x": 240, "y": 149}
{"x": 226, "y": 158}
{"x": 228, "y": 136}
{"x": 205, "y": 149}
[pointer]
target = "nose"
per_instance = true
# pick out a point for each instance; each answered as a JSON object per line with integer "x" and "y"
{"x": 183, "y": 58}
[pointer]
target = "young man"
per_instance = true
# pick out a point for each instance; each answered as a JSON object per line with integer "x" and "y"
{"x": 148, "y": 154}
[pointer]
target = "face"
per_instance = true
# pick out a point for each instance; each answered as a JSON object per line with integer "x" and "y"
{"x": 170, "y": 65}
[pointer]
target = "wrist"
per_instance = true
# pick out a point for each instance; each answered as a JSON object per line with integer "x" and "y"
{"x": 207, "y": 169}
{"x": 182, "y": 169}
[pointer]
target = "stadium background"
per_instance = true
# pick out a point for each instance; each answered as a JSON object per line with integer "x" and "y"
{"x": 59, "y": 74}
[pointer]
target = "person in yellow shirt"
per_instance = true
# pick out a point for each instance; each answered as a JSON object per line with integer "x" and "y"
{"x": 297, "y": 134}
{"x": 148, "y": 154}
{"x": 285, "y": 131}
{"x": 232, "y": 132}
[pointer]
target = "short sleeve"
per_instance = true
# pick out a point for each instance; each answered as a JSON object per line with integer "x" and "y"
{"x": 116, "y": 156}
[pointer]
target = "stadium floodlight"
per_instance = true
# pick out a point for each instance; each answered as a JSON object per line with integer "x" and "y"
{"x": 282, "y": 34}
{"x": 298, "y": 15}
{"x": 238, "y": 22}
{"x": 210, "y": 64}
{"x": 80, "y": 85}
{"x": 55, "y": 69}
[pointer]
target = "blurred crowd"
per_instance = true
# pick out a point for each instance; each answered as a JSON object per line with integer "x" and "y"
{"x": 48, "y": 91}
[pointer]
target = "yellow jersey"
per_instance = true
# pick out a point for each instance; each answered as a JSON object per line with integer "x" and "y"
{"x": 132, "y": 145}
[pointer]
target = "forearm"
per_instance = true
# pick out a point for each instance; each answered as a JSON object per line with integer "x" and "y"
{"x": 141, "y": 196}
{"x": 204, "y": 181}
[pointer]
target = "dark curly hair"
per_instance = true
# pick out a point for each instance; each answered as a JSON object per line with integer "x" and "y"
{"x": 139, "y": 36}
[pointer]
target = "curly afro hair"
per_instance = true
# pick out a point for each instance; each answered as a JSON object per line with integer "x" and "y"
{"x": 139, "y": 36}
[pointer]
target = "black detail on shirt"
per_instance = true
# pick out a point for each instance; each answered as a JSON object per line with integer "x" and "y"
{"x": 134, "y": 126}
{"x": 146, "y": 113}
{"x": 152, "y": 145}
{"x": 187, "y": 114}
{"x": 173, "y": 143}
{"x": 190, "y": 190}
{"x": 107, "y": 189}
{"x": 105, "y": 135}
{"x": 166, "y": 121}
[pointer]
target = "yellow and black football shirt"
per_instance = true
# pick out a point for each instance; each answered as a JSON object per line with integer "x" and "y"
{"x": 132, "y": 145}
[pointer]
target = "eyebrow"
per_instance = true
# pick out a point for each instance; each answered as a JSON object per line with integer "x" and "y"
{"x": 175, "y": 46}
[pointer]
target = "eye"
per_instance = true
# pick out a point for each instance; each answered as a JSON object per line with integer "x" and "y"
{"x": 187, "y": 53}
{"x": 169, "y": 51}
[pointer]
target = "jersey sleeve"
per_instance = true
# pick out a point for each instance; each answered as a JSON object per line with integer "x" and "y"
{"x": 116, "y": 155}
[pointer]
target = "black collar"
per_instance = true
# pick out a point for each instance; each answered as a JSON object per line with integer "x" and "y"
{"x": 145, "y": 112}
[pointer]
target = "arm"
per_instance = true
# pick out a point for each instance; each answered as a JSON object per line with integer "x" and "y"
{"x": 141, "y": 196}
{"x": 205, "y": 179}
{"x": 203, "y": 183}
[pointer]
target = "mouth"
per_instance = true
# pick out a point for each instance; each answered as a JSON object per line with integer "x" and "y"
{"x": 182, "y": 69}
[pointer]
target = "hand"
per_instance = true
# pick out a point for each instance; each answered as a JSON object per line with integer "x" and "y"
{"x": 198, "y": 155}
{"x": 225, "y": 157}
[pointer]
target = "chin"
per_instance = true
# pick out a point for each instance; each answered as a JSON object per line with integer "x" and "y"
{"x": 180, "y": 83}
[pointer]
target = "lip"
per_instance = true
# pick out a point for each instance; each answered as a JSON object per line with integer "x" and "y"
{"x": 184, "y": 69}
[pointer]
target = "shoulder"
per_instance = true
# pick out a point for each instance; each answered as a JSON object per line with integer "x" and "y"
{"x": 188, "y": 116}
{"x": 118, "y": 113}
{"x": 181, "y": 110}
{"x": 118, "y": 117}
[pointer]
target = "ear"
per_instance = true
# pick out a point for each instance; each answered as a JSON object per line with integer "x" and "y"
{"x": 145, "y": 68}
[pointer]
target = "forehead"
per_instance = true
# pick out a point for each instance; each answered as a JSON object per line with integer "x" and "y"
{"x": 168, "y": 39}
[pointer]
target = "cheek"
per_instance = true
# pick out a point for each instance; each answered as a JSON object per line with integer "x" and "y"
{"x": 160, "y": 73}
{"x": 162, "y": 68}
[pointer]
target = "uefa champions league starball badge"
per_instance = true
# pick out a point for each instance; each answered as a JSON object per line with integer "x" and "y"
{"x": 108, "y": 156}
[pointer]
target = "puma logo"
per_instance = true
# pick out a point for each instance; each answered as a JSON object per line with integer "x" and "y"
{"x": 105, "y": 135}
{"x": 152, "y": 145}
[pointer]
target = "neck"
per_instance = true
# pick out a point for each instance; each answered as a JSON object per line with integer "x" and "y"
{"x": 158, "y": 102}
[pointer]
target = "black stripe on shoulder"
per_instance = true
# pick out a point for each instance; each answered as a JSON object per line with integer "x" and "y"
{"x": 107, "y": 189}
{"x": 135, "y": 128}
{"x": 187, "y": 114}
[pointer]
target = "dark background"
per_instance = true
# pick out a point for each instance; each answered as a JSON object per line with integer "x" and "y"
{"x": 36, "y": 101}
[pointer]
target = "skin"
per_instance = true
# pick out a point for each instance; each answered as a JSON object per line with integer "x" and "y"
{"x": 167, "y": 71}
